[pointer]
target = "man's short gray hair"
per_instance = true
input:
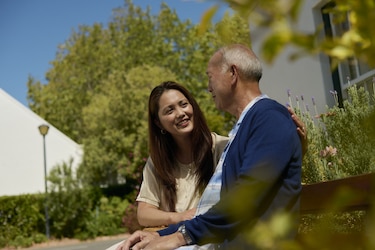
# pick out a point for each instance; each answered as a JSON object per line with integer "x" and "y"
{"x": 245, "y": 60}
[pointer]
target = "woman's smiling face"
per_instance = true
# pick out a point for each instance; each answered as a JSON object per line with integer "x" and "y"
{"x": 175, "y": 113}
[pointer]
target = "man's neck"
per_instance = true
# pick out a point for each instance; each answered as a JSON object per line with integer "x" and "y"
{"x": 242, "y": 102}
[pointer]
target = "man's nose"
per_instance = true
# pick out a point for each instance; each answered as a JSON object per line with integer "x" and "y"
{"x": 209, "y": 89}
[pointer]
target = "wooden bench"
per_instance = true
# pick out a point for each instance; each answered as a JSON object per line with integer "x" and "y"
{"x": 355, "y": 193}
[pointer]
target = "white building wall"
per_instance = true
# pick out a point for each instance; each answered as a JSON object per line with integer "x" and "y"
{"x": 308, "y": 76}
{"x": 21, "y": 148}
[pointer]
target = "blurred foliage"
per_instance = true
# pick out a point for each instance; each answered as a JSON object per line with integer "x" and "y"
{"x": 280, "y": 20}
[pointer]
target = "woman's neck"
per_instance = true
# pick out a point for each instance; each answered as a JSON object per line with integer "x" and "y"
{"x": 184, "y": 153}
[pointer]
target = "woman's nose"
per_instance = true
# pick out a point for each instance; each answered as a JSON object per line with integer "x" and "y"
{"x": 180, "y": 112}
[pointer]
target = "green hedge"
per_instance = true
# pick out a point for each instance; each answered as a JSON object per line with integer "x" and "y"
{"x": 21, "y": 216}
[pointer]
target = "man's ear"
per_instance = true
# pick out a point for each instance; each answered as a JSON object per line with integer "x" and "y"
{"x": 234, "y": 73}
{"x": 233, "y": 70}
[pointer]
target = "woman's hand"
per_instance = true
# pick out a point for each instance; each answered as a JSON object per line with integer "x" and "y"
{"x": 301, "y": 129}
{"x": 186, "y": 215}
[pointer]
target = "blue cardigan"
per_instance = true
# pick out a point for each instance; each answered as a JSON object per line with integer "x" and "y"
{"x": 261, "y": 175}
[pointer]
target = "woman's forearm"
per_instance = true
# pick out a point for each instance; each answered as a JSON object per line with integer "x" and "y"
{"x": 151, "y": 216}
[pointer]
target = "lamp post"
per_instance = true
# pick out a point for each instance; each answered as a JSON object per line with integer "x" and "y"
{"x": 43, "y": 129}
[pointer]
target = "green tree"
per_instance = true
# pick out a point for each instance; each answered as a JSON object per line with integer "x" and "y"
{"x": 116, "y": 122}
{"x": 99, "y": 82}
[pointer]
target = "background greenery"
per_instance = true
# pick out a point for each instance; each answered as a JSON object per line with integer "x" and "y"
{"x": 97, "y": 94}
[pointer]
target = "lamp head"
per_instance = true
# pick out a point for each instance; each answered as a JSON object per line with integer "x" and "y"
{"x": 43, "y": 129}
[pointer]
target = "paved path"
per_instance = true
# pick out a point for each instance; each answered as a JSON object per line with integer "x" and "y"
{"x": 93, "y": 245}
{"x": 98, "y": 244}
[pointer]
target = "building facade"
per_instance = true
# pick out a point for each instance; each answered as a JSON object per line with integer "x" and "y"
{"x": 22, "y": 150}
{"x": 309, "y": 81}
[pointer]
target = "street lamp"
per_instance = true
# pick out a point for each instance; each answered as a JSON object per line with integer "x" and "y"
{"x": 43, "y": 129}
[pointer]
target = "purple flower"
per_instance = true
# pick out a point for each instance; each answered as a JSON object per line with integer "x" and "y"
{"x": 313, "y": 100}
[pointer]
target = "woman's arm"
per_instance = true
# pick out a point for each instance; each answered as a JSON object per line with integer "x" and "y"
{"x": 151, "y": 216}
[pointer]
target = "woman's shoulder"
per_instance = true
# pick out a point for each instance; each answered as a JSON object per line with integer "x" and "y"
{"x": 149, "y": 166}
{"x": 219, "y": 143}
{"x": 216, "y": 138}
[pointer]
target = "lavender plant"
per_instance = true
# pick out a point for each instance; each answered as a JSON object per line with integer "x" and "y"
{"x": 339, "y": 143}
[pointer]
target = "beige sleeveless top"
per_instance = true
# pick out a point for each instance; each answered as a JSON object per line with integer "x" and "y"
{"x": 187, "y": 198}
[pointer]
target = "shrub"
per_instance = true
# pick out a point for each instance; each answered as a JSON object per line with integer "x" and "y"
{"x": 340, "y": 144}
{"x": 39, "y": 238}
{"x": 130, "y": 221}
{"x": 106, "y": 218}
{"x": 69, "y": 203}
{"x": 20, "y": 216}
{"x": 21, "y": 241}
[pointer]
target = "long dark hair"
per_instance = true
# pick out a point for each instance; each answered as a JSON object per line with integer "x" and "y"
{"x": 163, "y": 147}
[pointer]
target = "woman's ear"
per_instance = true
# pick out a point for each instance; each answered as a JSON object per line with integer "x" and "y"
{"x": 157, "y": 122}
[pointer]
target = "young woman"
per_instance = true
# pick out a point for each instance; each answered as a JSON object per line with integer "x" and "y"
{"x": 183, "y": 157}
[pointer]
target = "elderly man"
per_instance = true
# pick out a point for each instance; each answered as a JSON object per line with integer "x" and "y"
{"x": 261, "y": 164}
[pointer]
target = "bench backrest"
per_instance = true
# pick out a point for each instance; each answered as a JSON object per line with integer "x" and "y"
{"x": 347, "y": 194}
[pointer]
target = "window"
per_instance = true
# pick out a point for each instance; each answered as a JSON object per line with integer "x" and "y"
{"x": 351, "y": 71}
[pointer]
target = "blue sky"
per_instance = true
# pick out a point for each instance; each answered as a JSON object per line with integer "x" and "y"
{"x": 31, "y": 30}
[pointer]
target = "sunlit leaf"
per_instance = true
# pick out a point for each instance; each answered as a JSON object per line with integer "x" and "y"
{"x": 207, "y": 18}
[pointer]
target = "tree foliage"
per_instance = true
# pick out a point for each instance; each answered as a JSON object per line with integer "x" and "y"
{"x": 99, "y": 82}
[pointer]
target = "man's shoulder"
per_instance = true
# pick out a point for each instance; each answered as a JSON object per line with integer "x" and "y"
{"x": 268, "y": 104}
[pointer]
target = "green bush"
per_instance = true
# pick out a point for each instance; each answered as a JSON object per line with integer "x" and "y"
{"x": 129, "y": 220}
{"x": 39, "y": 238}
{"x": 105, "y": 219}
{"x": 340, "y": 142}
{"x": 20, "y": 216}
{"x": 3, "y": 241}
{"x": 21, "y": 241}
{"x": 69, "y": 204}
